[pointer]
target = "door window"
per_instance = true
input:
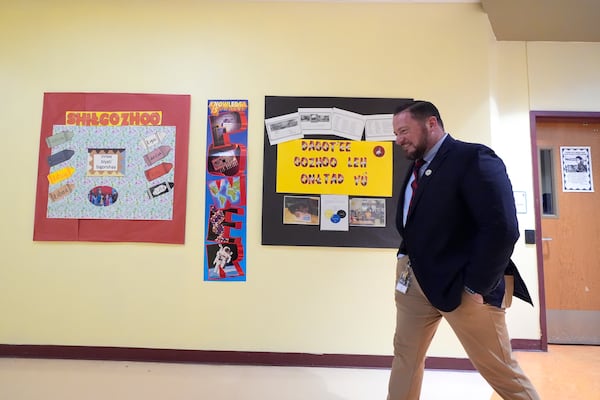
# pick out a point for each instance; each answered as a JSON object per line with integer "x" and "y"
{"x": 548, "y": 189}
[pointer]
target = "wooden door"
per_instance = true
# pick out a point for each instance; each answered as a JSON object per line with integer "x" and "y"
{"x": 570, "y": 227}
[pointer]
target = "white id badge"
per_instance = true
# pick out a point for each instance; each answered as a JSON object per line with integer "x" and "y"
{"x": 402, "y": 287}
{"x": 404, "y": 281}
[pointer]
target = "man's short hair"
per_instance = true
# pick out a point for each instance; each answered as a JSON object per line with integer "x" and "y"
{"x": 420, "y": 110}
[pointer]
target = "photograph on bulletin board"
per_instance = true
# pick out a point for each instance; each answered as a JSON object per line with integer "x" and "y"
{"x": 112, "y": 167}
{"x": 331, "y": 172}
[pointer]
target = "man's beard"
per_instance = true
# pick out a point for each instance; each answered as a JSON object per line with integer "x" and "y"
{"x": 420, "y": 146}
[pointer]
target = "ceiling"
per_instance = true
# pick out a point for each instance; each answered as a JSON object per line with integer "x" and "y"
{"x": 544, "y": 20}
{"x": 528, "y": 20}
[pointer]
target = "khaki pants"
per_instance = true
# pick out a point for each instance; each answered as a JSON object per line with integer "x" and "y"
{"x": 481, "y": 329}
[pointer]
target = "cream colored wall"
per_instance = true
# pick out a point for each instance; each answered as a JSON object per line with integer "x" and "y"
{"x": 511, "y": 140}
{"x": 328, "y": 300}
{"x": 564, "y": 76}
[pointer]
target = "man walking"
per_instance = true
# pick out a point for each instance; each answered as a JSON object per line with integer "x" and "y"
{"x": 457, "y": 220}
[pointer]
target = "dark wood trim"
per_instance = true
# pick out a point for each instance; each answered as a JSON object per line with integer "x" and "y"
{"x": 456, "y": 364}
{"x": 562, "y": 115}
{"x": 194, "y": 356}
{"x": 231, "y": 357}
{"x": 534, "y": 117}
{"x": 528, "y": 345}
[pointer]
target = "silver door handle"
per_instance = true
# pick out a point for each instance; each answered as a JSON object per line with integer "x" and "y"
{"x": 546, "y": 239}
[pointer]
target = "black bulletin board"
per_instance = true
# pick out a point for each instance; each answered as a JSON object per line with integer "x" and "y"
{"x": 275, "y": 232}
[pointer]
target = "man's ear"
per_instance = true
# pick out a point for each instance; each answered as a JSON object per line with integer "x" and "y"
{"x": 432, "y": 121}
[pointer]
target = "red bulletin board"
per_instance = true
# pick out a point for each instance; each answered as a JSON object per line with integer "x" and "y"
{"x": 105, "y": 108}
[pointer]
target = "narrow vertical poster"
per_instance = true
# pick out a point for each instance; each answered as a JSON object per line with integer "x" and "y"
{"x": 225, "y": 204}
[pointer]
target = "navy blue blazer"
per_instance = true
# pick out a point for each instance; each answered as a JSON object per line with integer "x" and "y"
{"x": 462, "y": 226}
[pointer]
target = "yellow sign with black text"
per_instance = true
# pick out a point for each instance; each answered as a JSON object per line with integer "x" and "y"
{"x": 355, "y": 168}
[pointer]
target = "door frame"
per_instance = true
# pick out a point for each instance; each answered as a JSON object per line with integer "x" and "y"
{"x": 534, "y": 117}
